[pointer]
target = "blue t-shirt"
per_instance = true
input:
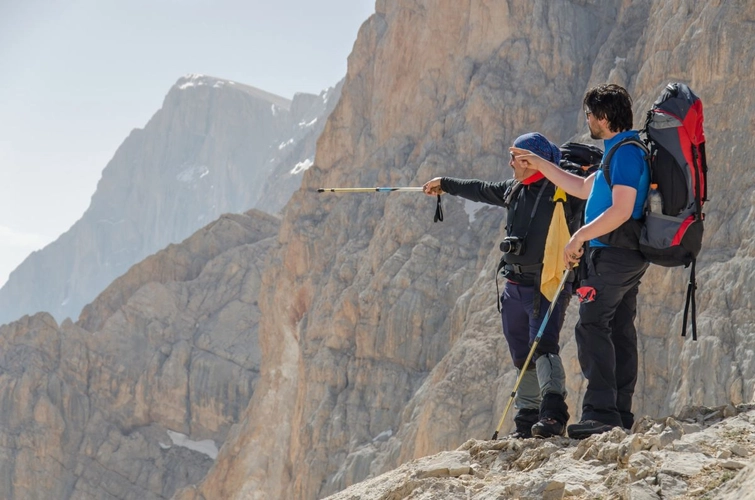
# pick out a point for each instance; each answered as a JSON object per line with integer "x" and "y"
{"x": 628, "y": 168}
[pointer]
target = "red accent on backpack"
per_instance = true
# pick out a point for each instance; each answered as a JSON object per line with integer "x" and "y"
{"x": 682, "y": 230}
{"x": 674, "y": 134}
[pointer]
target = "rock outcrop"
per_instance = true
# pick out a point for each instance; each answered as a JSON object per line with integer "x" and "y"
{"x": 699, "y": 454}
{"x": 135, "y": 400}
{"x": 215, "y": 147}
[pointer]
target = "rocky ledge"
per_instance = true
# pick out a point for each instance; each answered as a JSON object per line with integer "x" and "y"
{"x": 701, "y": 453}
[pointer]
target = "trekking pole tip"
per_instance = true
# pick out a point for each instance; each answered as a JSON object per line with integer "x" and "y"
{"x": 495, "y": 436}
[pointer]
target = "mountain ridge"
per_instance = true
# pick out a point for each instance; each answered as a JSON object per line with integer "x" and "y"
{"x": 215, "y": 146}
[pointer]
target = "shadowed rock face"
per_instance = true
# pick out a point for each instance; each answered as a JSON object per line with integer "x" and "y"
{"x": 214, "y": 147}
{"x": 381, "y": 338}
{"x": 169, "y": 352}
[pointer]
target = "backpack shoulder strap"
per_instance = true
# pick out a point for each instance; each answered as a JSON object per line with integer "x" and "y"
{"x": 606, "y": 165}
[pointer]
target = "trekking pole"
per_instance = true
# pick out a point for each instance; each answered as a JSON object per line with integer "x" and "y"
{"x": 532, "y": 351}
{"x": 419, "y": 189}
{"x": 368, "y": 189}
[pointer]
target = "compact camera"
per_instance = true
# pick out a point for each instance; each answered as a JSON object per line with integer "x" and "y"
{"x": 512, "y": 245}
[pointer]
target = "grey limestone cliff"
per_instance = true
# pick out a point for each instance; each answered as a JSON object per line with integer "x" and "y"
{"x": 135, "y": 400}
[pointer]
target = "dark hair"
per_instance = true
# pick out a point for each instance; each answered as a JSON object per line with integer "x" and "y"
{"x": 610, "y": 101}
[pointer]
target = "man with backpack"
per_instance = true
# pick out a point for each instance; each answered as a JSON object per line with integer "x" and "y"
{"x": 529, "y": 200}
{"x": 605, "y": 333}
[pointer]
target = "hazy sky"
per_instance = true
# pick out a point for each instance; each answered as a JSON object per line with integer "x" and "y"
{"x": 77, "y": 76}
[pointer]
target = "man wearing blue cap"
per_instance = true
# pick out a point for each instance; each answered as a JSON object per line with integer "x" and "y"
{"x": 528, "y": 200}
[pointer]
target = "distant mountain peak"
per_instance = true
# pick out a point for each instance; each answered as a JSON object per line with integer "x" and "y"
{"x": 198, "y": 80}
{"x": 194, "y": 80}
{"x": 214, "y": 147}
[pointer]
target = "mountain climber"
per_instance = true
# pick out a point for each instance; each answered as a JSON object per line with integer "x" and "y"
{"x": 529, "y": 202}
{"x": 605, "y": 333}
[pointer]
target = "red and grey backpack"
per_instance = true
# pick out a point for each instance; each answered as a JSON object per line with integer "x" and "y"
{"x": 672, "y": 231}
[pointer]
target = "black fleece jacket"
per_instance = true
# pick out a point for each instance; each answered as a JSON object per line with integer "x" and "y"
{"x": 519, "y": 201}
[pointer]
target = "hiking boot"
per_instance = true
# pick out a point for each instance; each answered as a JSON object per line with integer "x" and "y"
{"x": 520, "y": 434}
{"x": 524, "y": 420}
{"x": 587, "y": 428}
{"x": 548, "y": 427}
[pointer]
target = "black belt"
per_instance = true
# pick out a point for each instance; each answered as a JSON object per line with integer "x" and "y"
{"x": 530, "y": 268}
{"x": 520, "y": 269}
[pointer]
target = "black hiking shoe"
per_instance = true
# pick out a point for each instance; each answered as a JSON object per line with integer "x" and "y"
{"x": 520, "y": 435}
{"x": 524, "y": 420}
{"x": 548, "y": 427}
{"x": 587, "y": 428}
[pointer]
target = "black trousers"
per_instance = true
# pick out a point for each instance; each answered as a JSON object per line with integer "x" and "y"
{"x": 606, "y": 336}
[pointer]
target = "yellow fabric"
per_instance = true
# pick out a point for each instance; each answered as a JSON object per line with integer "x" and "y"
{"x": 559, "y": 195}
{"x": 553, "y": 260}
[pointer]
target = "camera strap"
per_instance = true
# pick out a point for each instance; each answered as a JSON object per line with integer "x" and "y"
{"x": 509, "y": 226}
